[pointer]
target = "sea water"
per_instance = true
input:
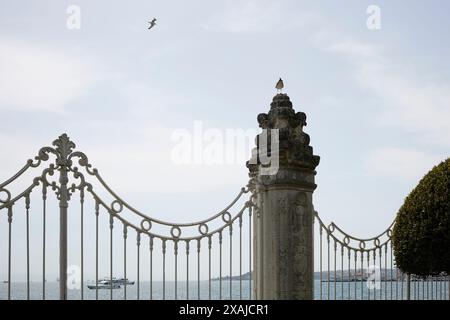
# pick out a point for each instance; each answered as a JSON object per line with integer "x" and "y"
{"x": 216, "y": 290}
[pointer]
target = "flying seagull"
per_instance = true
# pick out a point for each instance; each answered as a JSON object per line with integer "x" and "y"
{"x": 152, "y": 23}
{"x": 280, "y": 85}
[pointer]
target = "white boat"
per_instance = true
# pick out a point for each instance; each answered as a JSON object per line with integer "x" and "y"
{"x": 121, "y": 281}
{"x": 104, "y": 284}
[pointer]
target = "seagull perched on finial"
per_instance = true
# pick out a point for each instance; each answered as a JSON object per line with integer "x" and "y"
{"x": 152, "y": 23}
{"x": 280, "y": 85}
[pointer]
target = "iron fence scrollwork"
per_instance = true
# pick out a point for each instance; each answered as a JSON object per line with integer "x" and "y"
{"x": 70, "y": 173}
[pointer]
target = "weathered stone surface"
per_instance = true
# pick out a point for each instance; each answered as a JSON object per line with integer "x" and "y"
{"x": 294, "y": 148}
{"x": 283, "y": 253}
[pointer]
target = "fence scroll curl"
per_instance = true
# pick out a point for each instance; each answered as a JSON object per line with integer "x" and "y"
{"x": 67, "y": 172}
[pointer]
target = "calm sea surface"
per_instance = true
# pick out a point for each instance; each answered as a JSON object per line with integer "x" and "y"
{"x": 389, "y": 290}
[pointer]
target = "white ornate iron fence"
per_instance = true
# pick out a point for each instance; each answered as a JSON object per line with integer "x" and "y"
{"x": 222, "y": 249}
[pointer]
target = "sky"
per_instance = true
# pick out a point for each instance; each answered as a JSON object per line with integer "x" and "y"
{"x": 377, "y": 100}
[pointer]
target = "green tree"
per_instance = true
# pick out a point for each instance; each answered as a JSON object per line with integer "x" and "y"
{"x": 421, "y": 235}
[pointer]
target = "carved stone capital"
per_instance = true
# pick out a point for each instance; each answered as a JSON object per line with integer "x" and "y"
{"x": 294, "y": 150}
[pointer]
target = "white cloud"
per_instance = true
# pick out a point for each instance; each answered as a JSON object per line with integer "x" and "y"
{"x": 361, "y": 52}
{"x": 147, "y": 97}
{"x": 401, "y": 163}
{"x": 146, "y": 164}
{"x": 409, "y": 102}
{"x": 38, "y": 78}
{"x": 258, "y": 16}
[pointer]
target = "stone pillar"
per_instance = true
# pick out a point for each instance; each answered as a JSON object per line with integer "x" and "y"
{"x": 283, "y": 225}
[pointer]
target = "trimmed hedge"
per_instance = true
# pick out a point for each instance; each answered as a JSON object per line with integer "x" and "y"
{"x": 421, "y": 235}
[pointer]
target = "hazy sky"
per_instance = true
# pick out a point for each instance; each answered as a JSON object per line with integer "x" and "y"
{"x": 377, "y": 101}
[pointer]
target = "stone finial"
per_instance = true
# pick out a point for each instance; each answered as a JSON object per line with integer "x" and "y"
{"x": 294, "y": 148}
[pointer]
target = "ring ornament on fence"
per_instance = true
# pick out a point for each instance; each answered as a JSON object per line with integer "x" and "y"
{"x": 116, "y": 206}
{"x": 146, "y": 224}
{"x": 226, "y": 217}
{"x": 6, "y": 195}
{"x": 376, "y": 242}
{"x": 203, "y": 228}
{"x": 346, "y": 240}
{"x": 175, "y": 232}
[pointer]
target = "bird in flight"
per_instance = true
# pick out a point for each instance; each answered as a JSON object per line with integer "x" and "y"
{"x": 152, "y": 23}
{"x": 280, "y": 85}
